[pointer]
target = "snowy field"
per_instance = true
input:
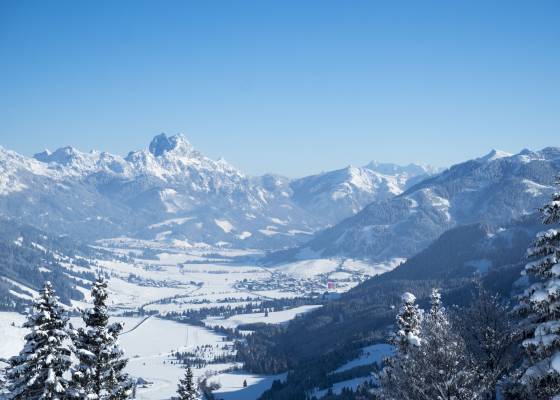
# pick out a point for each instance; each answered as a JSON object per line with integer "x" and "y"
{"x": 150, "y": 345}
{"x": 278, "y": 317}
{"x": 232, "y": 385}
{"x": 176, "y": 278}
{"x": 369, "y": 355}
{"x": 149, "y": 348}
{"x": 11, "y": 333}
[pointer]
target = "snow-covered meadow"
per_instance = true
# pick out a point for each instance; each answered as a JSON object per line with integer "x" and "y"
{"x": 274, "y": 317}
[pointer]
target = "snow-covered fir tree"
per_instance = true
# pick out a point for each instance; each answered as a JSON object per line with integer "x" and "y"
{"x": 99, "y": 373}
{"x": 393, "y": 379}
{"x": 540, "y": 307}
{"x": 435, "y": 367}
{"x": 408, "y": 322}
{"x": 37, "y": 373}
{"x": 436, "y": 307}
{"x": 186, "y": 388}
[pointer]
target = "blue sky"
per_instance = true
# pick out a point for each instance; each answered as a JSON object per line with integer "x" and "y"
{"x": 292, "y": 87}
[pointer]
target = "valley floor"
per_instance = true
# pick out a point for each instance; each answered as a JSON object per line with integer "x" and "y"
{"x": 145, "y": 291}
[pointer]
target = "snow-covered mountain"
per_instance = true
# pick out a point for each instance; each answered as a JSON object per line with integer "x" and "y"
{"x": 496, "y": 188}
{"x": 170, "y": 191}
{"x": 339, "y": 194}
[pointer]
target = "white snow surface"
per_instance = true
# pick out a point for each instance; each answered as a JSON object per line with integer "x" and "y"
{"x": 11, "y": 333}
{"x": 276, "y": 317}
{"x": 408, "y": 297}
{"x": 231, "y": 385}
{"x": 224, "y": 225}
{"x": 171, "y": 222}
{"x": 369, "y": 355}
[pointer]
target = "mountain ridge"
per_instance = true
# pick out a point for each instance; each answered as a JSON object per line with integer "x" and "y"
{"x": 98, "y": 194}
{"x": 495, "y": 188}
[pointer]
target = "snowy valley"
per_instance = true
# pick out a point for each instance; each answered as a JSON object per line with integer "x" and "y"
{"x": 246, "y": 279}
{"x": 176, "y": 300}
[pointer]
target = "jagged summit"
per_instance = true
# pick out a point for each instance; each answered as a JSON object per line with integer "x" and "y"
{"x": 162, "y": 144}
{"x": 159, "y": 146}
{"x": 63, "y": 155}
{"x": 170, "y": 158}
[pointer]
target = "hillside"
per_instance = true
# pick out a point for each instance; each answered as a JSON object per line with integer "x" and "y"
{"x": 30, "y": 257}
{"x": 321, "y": 341}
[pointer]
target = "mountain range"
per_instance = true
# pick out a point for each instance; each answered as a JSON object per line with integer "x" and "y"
{"x": 496, "y": 189}
{"x": 170, "y": 191}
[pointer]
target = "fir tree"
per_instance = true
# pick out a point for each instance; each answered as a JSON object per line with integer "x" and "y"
{"x": 436, "y": 308}
{"x": 186, "y": 389}
{"x": 38, "y": 371}
{"x": 540, "y": 307}
{"x": 393, "y": 379}
{"x": 408, "y": 322}
{"x": 435, "y": 367}
{"x": 99, "y": 373}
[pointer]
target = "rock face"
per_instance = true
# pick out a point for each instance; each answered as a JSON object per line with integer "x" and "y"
{"x": 170, "y": 191}
{"x": 496, "y": 188}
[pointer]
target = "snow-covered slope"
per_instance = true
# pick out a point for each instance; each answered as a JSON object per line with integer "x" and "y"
{"x": 30, "y": 256}
{"x": 496, "y": 188}
{"x": 170, "y": 191}
{"x": 339, "y": 194}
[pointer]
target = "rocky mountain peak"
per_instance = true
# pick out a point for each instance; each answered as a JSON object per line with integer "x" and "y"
{"x": 162, "y": 144}
{"x": 63, "y": 155}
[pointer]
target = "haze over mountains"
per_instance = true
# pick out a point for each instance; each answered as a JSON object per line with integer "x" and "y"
{"x": 170, "y": 191}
